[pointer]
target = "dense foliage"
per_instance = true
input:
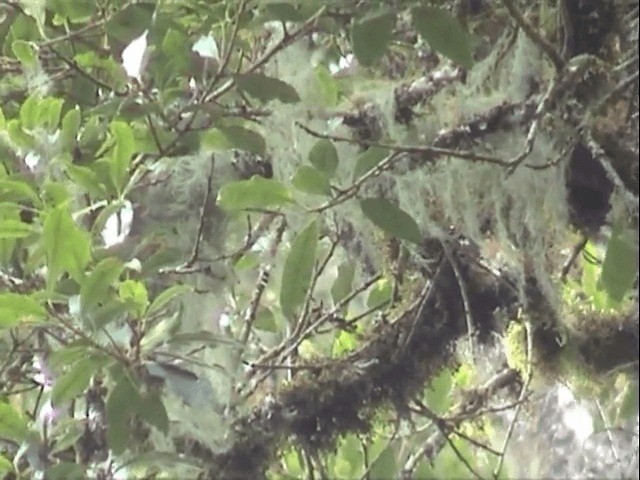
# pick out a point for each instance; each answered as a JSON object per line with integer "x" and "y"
{"x": 338, "y": 239}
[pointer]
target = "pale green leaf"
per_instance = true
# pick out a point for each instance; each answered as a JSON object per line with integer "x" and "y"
{"x": 29, "y": 112}
{"x": 166, "y": 296}
{"x": 370, "y": 37}
{"x": 17, "y": 308}
{"x": 327, "y": 86}
{"x": 384, "y": 463}
{"x": 6, "y": 466}
{"x": 324, "y": 156}
{"x": 18, "y": 136}
{"x": 343, "y": 283}
{"x": 438, "y": 393}
{"x": 13, "y": 425}
{"x": 368, "y": 160}
{"x": 66, "y": 471}
{"x": 391, "y": 219}
{"x": 125, "y": 147}
{"x": 162, "y": 331}
{"x": 309, "y": 180}
{"x": 70, "y": 127}
{"x": 134, "y": 293}
{"x": 12, "y": 228}
{"x": 444, "y": 34}
{"x": 202, "y": 337}
{"x": 266, "y": 88}
{"x": 298, "y": 269}
{"x": 620, "y": 266}
{"x": 285, "y": 12}
{"x": 266, "y": 321}
{"x": 14, "y": 190}
{"x": 240, "y": 138}
{"x": 25, "y": 52}
{"x": 75, "y": 380}
{"x": 87, "y": 179}
{"x": 49, "y": 111}
{"x": 94, "y": 288}
{"x": 380, "y": 294}
{"x": 123, "y": 401}
{"x": 257, "y": 192}
{"x": 343, "y": 343}
{"x": 68, "y": 248}
{"x": 152, "y": 410}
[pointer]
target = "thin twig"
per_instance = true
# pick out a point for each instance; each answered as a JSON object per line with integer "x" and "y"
{"x": 286, "y": 40}
{"x": 535, "y": 36}
{"x": 614, "y": 449}
{"x": 465, "y": 297}
{"x": 188, "y": 265}
{"x": 433, "y": 151}
{"x": 574, "y": 255}
{"x": 599, "y": 154}
{"x": 289, "y": 344}
{"x": 523, "y": 393}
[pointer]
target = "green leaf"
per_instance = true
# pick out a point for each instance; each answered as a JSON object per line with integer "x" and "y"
{"x": 162, "y": 331}
{"x": 71, "y": 10}
{"x": 17, "y": 308}
{"x": 285, "y": 12}
{"x": 324, "y": 156}
{"x": 266, "y": 88}
{"x": 166, "y": 296}
{"x": 590, "y": 276}
{"x": 94, "y": 288}
{"x": 18, "y": 136}
{"x": 134, "y": 293}
{"x": 49, "y": 111}
{"x": 12, "y": 228}
{"x": 343, "y": 343}
{"x": 87, "y": 179}
{"x": 391, "y": 219}
{"x": 67, "y": 247}
{"x": 368, "y": 160}
{"x": 75, "y": 380}
{"x": 100, "y": 316}
{"x": 380, "y": 294}
{"x": 628, "y": 407}
{"x": 620, "y": 266}
{"x": 384, "y": 465}
{"x": 257, "y": 192}
{"x": 227, "y": 138}
{"x": 327, "y": 87}
{"x": 247, "y": 261}
{"x": 202, "y": 337}
{"x": 343, "y": 284}
{"x": 13, "y": 426}
{"x": 152, "y": 410}
{"x": 438, "y": 393}
{"x": 15, "y": 190}
{"x": 298, "y": 269}
{"x": 124, "y": 149}
{"x": 29, "y": 112}
{"x": 6, "y": 466}
{"x": 69, "y": 354}
{"x": 66, "y": 471}
{"x": 25, "y": 52}
{"x": 70, "y": 127}
{"x": 444, "y": 34}
{"x": 371, "y": 35}
{"x": 308, "y": 179}
{"x": 121, "y": 404}
{"x": 266, "y": 321}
